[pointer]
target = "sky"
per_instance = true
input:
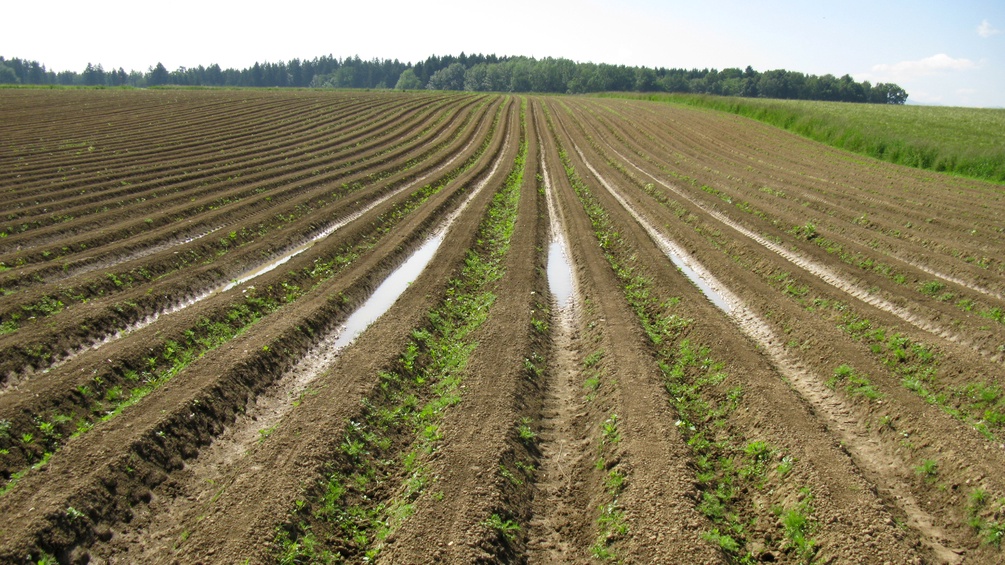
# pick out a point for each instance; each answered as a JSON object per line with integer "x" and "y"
{"x": 941, "y": 52}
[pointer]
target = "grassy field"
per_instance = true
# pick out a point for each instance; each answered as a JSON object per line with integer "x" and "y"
{"x": 964, "y": 141}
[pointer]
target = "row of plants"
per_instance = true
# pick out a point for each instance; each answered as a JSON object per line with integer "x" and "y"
{"x": 809, "y": 232}
{"x": 127, "y": 312}
{"x": 984, "y": 397}
{"x": 728, "y": 464}
{"x": 149, "y": 176}
{"x": 265, "y": 196}
{"x": 261, "y": 201}
{"x": 796, "y": 290}
{"x": 127, "y": 381}
{"x": 160, "y": 184}
{"x": 384, "y": 465}
{"x": 839, "y": 201}
{"x": 979, "y": 404}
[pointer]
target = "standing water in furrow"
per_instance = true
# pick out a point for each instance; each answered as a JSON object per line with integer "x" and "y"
{"x": 394, "y": 285}
{"x": 272, "y": 407}
{"x": 265, "y": 413}
{"x": 549, "y": 539}
{"x": 256, "y": 272}
{"x": 868, "y": 454}
{"x": 304, "y": 246}
{"x": 704, "y": 280}
{"x": 559, "y": 269}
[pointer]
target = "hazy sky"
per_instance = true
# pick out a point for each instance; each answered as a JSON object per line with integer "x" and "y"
{"x": 942, "y": 52}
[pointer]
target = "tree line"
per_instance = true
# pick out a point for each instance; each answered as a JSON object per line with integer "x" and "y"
{"x": 480, "y": 73}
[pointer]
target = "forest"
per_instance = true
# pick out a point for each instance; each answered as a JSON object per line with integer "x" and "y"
{"x": 475, "y": 73}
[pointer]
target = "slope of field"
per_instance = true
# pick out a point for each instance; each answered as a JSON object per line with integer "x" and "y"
{"x": 965, "y": 141}
{"x": 771, "y": 350}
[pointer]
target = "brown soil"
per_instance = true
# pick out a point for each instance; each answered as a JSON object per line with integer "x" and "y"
{"x": 565, "y": 443}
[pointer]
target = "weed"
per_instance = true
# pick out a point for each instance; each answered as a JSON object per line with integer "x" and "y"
{"x": 931, "y": 288}
{"x": 758, "y": 454}
{"x": 854, "y": 383}
{"x": 785, "y": 466}
{"x": 797, "y": 527}
{"x": 981, "y": 516}
{"x": 264, "y": 433}
{"x": 45, "y": 559}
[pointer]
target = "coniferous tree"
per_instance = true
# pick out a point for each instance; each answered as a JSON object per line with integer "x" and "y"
{"x": 158, "y": 76}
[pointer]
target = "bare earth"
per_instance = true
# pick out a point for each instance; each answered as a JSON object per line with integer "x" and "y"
{"x": 176, "y": 268}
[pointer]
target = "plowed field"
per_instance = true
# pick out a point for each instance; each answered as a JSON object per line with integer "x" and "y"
{"x": 312, "y": 327}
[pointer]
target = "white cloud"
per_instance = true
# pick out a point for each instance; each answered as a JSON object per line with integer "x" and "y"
{"x": 987, "y": 30}
{"x": 924, "y": 67}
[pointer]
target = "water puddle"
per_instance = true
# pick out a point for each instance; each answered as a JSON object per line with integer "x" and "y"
{"x": 560, "y": 271}
{"x": 826, "y": 274}
{"x": 428, "y": 247}
{"x": 337, "y": 225}
{"x": 141, "y": 324}
{"x": 271, "y": 407}
{"x": 701, "y": 278}
{"x": 696, "y": 278}
{"x": 308, "y": 244}
{"x": 323, "y": 355}
{"x": 388, "y": 292}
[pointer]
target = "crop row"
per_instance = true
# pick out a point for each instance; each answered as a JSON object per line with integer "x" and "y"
{"x": 306, "y": 277}
{"x": 887, "y": 336}
{"x": 109, "y": 386}
{"x": 213, "y": 260}
{"x": 838, "y": 398}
